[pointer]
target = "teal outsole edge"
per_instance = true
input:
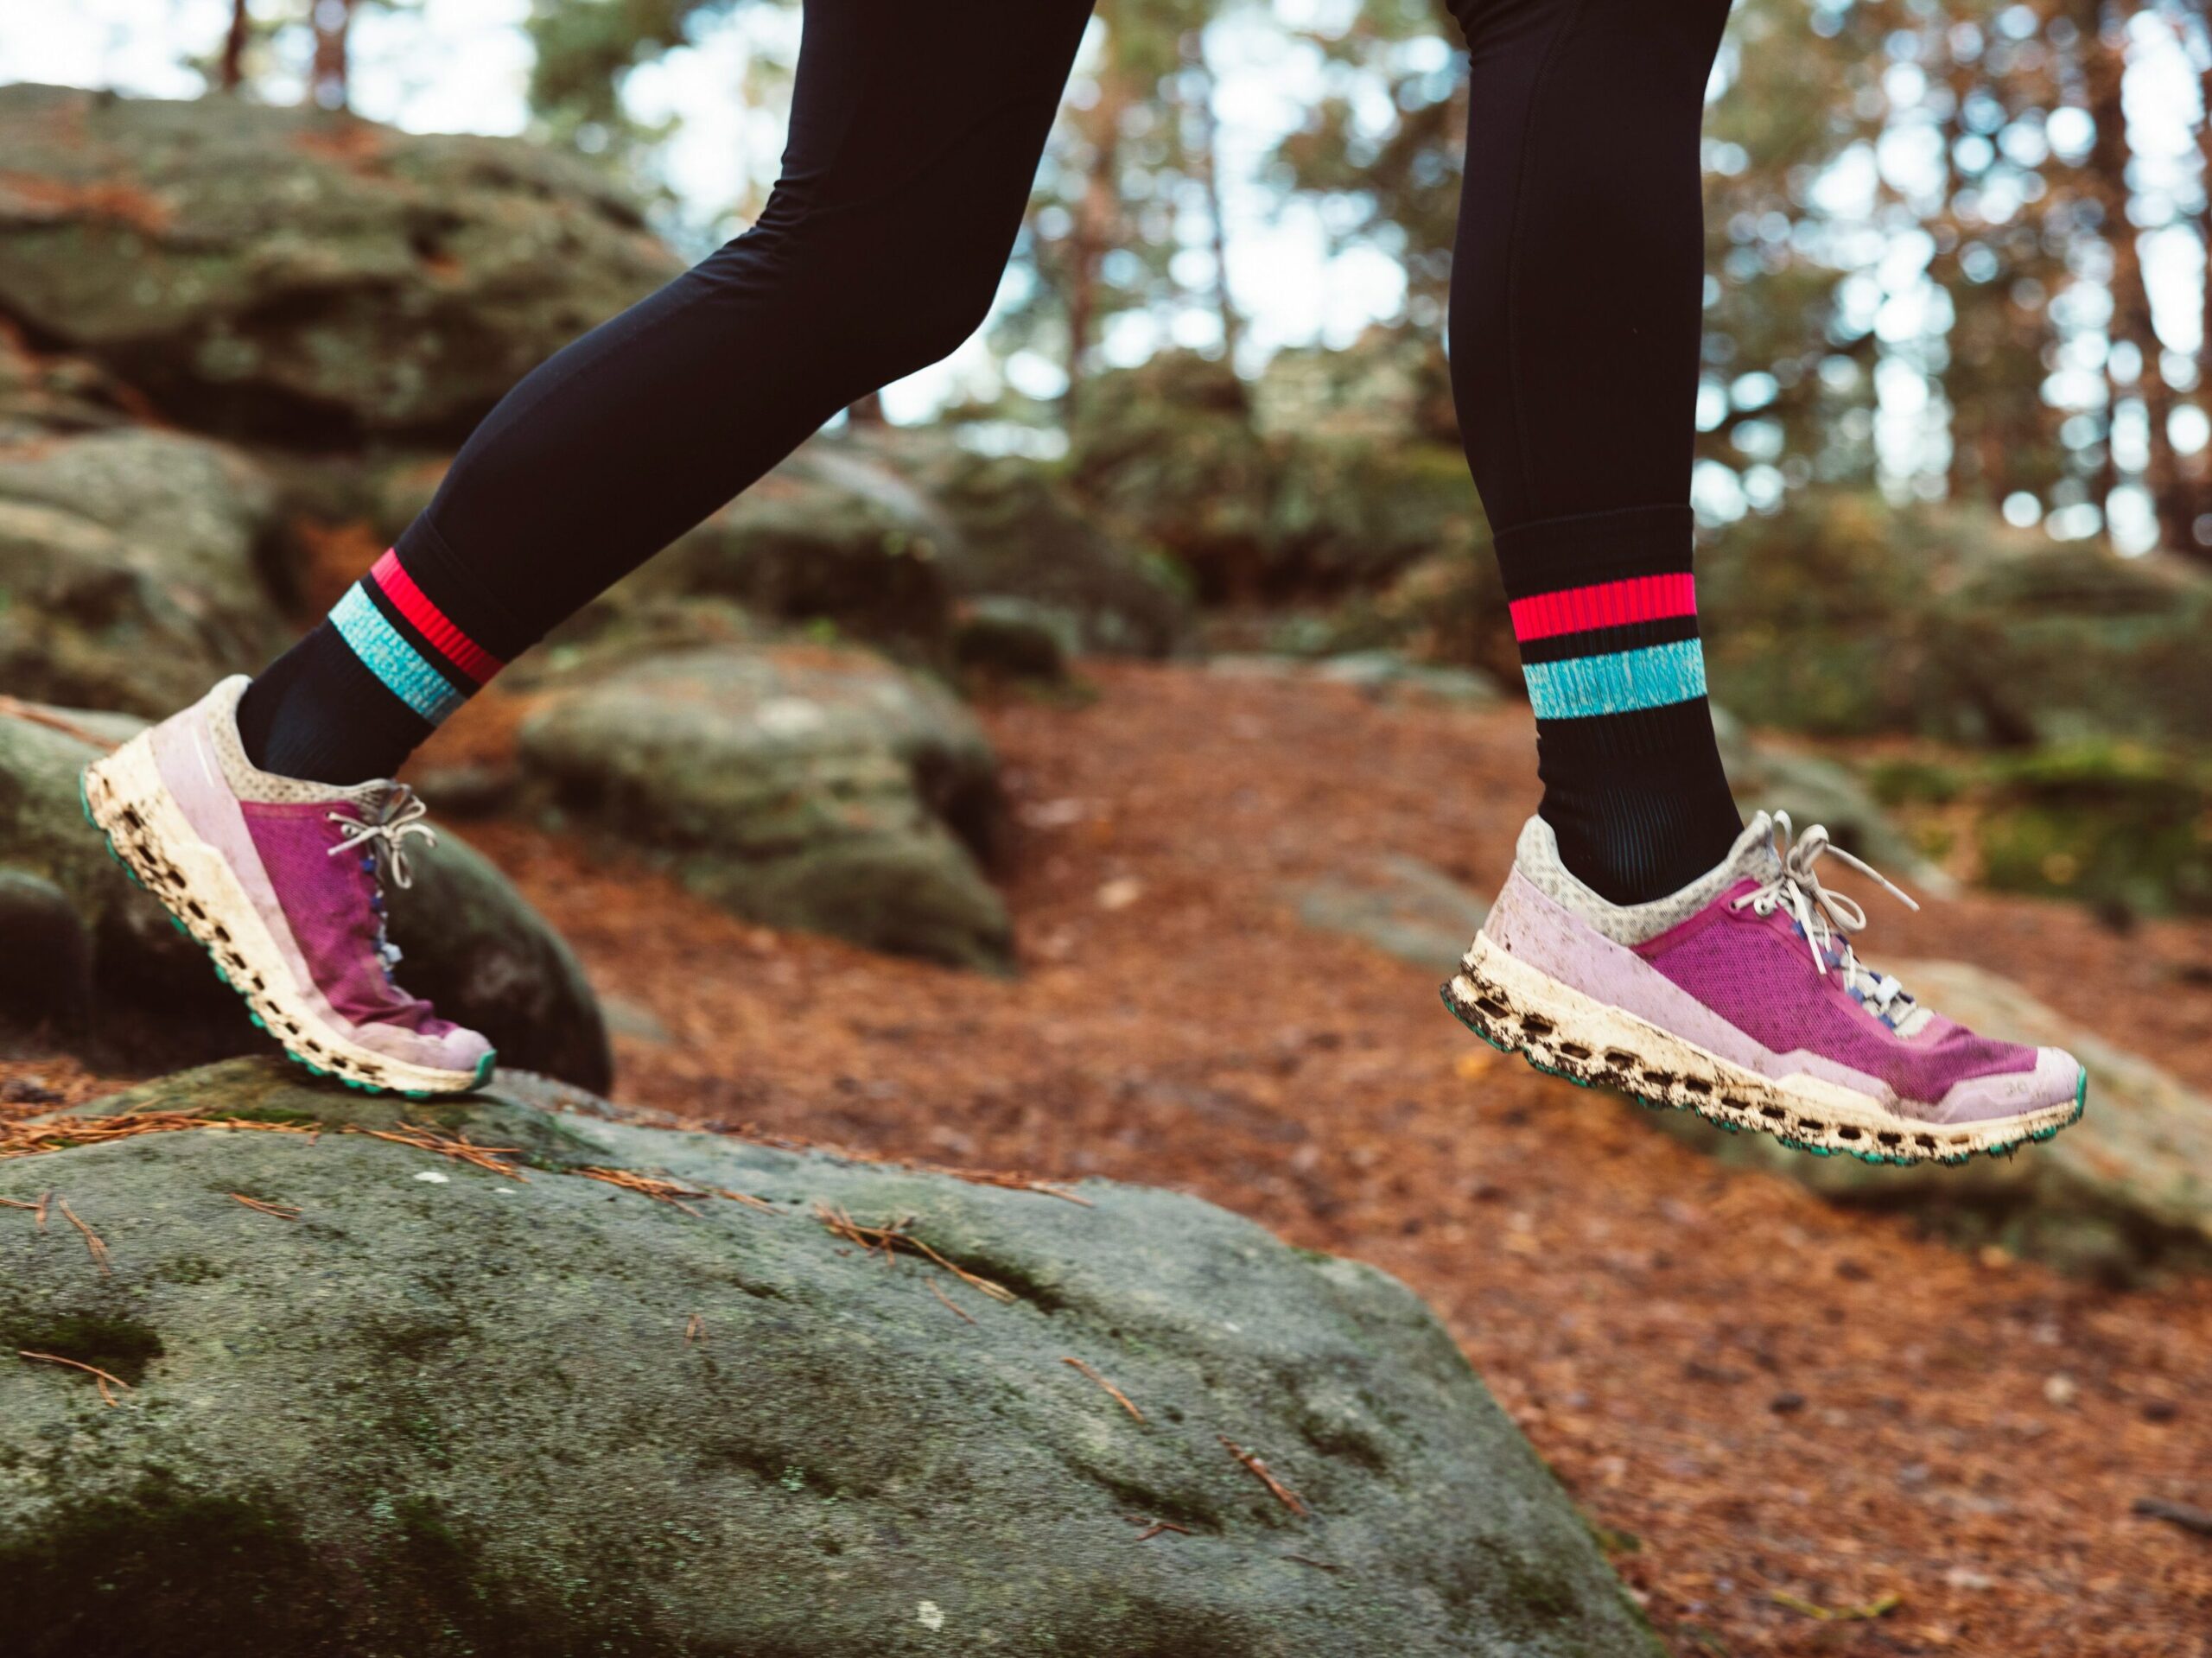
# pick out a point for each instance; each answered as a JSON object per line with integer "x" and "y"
{"x": 2081, "y": 1105}
{"x": 483, "y": 1066}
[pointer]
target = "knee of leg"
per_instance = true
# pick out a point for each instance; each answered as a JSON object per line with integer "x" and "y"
{"x": 927, "y": 317}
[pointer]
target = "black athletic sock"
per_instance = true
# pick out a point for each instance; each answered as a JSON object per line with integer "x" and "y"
{"x": 1605, "y": 609}
{"x": 317, "y": 712}
{"x": 398, "y": 655}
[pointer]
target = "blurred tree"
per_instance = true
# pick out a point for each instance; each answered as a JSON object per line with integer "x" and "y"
{"x": 231, "y": 71}
{"x": 1380, "y": 153}
{"x": 1927, "y": 222}
{"x": 331, "y": 20}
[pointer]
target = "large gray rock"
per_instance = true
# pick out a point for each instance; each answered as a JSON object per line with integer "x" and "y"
{"x": 1843, "y": 614}
{"x": 298, "y": 274}
{"x": 801, "y": 785}
{"x": 129, "y": 575}
{"x": 832, "y": 535}
{"x": 448, "y": 1410}
{"x": 118, "y": 973}
{"x": 2126, "y": 1189}
{"x": 43, "y": 392}
{"x": 880, "y": 533}
{"x": 1024, "y": 534}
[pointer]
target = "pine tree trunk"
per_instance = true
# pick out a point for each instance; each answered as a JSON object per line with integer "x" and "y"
{"x": 326, "y": 79}
{"x": 1203, "y": 159}
{"x": 232, "y": 74}
{"x": 2104, "y": 64}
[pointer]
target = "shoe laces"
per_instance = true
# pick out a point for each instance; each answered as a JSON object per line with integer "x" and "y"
{"x": 381, "y": 838}
{"x": 1825, "y": 918}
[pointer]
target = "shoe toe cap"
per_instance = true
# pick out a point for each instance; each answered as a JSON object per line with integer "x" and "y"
{"x": 2055, "y": 1078}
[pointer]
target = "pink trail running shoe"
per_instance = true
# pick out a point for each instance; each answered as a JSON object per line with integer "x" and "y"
{"x": 1739, "y": 997}
{"x": 282, "y": 881}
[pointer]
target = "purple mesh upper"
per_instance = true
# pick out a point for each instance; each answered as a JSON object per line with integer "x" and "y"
{"x": 1757, "y": 972}
{"x": 332, "y": 907}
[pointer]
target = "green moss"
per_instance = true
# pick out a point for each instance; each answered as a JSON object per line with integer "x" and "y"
{"x": 121, "y": 1345}
{"x": 162, "y": 1570}
{"x": 188, "y": 1269}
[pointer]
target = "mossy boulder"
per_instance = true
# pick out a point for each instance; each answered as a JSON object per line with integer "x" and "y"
{"x": 448, "y": 1410}
{"x": 118, "y": 976}
{"x": 1025, "y": 535}
{"x": 1256, "y": 503}
{"x": 130, "y": 568}
{"x": 803, "y": 785}
{"x": 47, "y": 393}
{"x": 831, "y": 536}
{"x": 882, "y": 535}
{"x": 298, "y": 274}
{"x": 2126, "y": 1191}
{"x": 1845, "y": 615}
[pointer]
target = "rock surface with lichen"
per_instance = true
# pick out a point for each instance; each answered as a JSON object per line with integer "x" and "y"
{"x": 300, "y": 274}
{"x": 800, "y": 786}
{"x": 449, "y": 1410}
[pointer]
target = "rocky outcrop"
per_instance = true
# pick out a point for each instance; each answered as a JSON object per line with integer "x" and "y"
{"x": 829, "y": 536}
{"x": 129, "y": 576}
{"x": 801, "y": 785}
{"x": 1025, "y": 535}
{"x": 451, "y": 1409}
{"x": 298, "y": 275}
{"x": 1258, "y": 502}
{"x": 885, "y": 535}
{"x": 1845, "y": 615}
{"x": 112, "y": 970}
{"x": 2125, "y": 1191}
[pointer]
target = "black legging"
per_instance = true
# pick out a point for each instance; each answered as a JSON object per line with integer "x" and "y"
{"x": 915, "y": 133}
{"x": 916, "y": 126}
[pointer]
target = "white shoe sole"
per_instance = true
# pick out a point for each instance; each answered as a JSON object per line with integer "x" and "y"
{"x": 126, "y": 800}
{"x": 1519, "y": 1008}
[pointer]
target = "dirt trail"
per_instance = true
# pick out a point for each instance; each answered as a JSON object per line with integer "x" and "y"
{"x": 1759, "y": 1396}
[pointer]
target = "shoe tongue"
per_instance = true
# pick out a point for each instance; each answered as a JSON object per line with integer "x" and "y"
{"x": 1753, "y": 856}
{"x": 372, "y": 802}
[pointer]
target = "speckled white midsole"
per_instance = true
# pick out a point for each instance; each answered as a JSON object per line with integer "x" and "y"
{"x": 1517, "y": 1006}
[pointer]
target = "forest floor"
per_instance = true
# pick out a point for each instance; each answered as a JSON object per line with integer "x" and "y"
{"x": 1777, "y": 1411}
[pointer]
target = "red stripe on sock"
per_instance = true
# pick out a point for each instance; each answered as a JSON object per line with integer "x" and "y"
{"x": 1608, "y": 603}
{"x": 459, "y": 649}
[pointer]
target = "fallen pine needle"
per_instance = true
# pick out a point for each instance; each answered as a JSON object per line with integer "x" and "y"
{"x": 661, "y": 1191}
{"x": 1120, "y": 1398}
{"x": 17, "y": 1203}
{"x": 1283, "y": 1494}
{"x": 1318, "y": 1566}
{"x": 1012, "y": 1181}
{"x": 949, "y": 1302}
{"x": 695, "y": 1330}
{"x": 49, "y": 1134}
{"x": 281, "y": 1211}
{"x": 1874, "y": 1609}
{"x": 39, "y": 716}
{"x": 2176, "y": 1513}
{"x": 457, "y": 1146}
{"x": 747, "y": 1199}
{"x": 1008, "y": 1180}
{"x": 1154, "y": 1528}
{"x": 891, "y": 1237}
{"x": 93, "y": 1243}
{"x": 101, "y": 1378}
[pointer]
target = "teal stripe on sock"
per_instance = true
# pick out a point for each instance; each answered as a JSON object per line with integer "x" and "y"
{"x": 387, "y": 654}
{"x": 1650, "y": 678}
